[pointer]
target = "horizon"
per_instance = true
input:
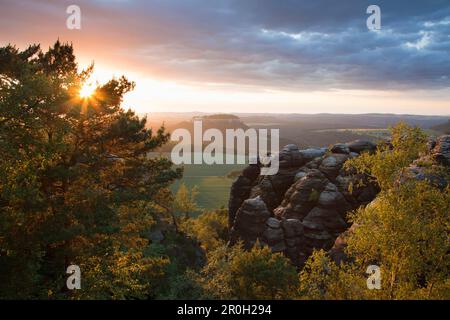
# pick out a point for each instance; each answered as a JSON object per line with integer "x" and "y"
{"x": 306, "y": 114}
{"x": 254, "y": 56}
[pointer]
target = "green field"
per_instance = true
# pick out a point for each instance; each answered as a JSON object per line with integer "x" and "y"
{"x": 374, "y": 132}
{"x": 213, "y": 191}
{"x": 211, "y": 180}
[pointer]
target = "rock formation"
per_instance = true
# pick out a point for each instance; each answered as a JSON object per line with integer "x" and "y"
{"x": 304, "y": 205}
{"x": 423, "y": 169}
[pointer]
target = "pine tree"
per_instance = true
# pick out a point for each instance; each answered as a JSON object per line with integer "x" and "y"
{"x": 76, "y": 184}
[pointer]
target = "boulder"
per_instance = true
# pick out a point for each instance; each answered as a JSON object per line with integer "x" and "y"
{"x": 250, "y": 221}
{"x": 441, "y": 151}
{"x": 271, "y": 189}
{"x": 325, "y": 219}
{"x": 429, "y": 166}
{"x": 302, "y": 196}
{"x": 292, "y": 228}
{"x": 273, "y": 236}
{"x": 359, "y": 146}
{"x": 340, "y": 148}
{"x": 290, "y": 156}
{"x": 278, "y": 247}
{"x": 312, "y": 153}
{"x": 332, "y": 164}
{"x": 240, "y": 190}
{"x": 273, "y": 223}
{"x": 337, "y": 252}
{"x": 290, "y": 147}
{"x": 299, "y": 175}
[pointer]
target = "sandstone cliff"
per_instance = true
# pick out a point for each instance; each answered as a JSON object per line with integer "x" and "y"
{"x": 304, "y": 206}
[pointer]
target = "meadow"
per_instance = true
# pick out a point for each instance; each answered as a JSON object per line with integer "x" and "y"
{"x": 211, "y": 180}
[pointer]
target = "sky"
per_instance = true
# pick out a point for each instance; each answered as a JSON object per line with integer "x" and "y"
{"x": 279, "y": 56}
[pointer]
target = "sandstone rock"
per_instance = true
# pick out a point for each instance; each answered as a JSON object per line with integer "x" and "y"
{"x": 250, "y": 221}
{"x": 290, "y": 147}
{"x": 240, "y": 190}
{"x": 290, "y": 156}
{"x": 340, "y": 148}
{"x": 251, "y": 172}
{"x": 294, "y": 242}
{"x": 423, "y": 174}
{"x": 332, "y": 164}
{"x": 156, "y": 236}
{"x": 441, "y": 151}
{"x": 330, "y": 187}
{"x": 273, "y": 223}
{"x": 312, "y": 153}
{"x": 273, "y": 236}
{"x": 292, "y": 228}
{"x": 309, "y": 197}
{"x": 326, "y": 219}
{"x": 359, "y": 146}
{"x": 279, "y": 247}
{"x": 271, "y": 189}
{"x": 299, "y": 175}
{"x": 337, "y": 252}
{"x": 430, "y": 145}
{"x": 429, "y": 166}
{"x": 264, "y": 189}
{"x": 322, "y": 236}
{"x": 302, "y": 196}
{"x": 331, "y": 199}
{"x": 356, "y": 189}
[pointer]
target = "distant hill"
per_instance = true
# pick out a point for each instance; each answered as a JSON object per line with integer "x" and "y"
{"x": 339, "y": 121}
{"x": 215, "y": 121}
{"x": 219, "y": 116}
{"x": 443, "y": 128}
{"x": 305, "y": 130}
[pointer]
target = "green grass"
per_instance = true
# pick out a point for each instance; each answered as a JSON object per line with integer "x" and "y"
{"x": 213, "y": 185}
{"x": 211, "y": 180}
{"x": 213, "y": 191}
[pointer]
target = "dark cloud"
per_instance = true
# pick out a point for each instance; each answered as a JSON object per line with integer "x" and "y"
{"x": 300, "y": 45}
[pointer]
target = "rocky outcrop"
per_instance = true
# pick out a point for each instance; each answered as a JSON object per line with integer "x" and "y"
{"x": 240, "y": 190}
{"x": 426, "y": 168}
{"x": 441, "y": 151}
{"x": 304, "y": 206}
{"x": 250, "y": 222}
{"x": 337, "y": 252}
{"x": 432, "y": 167}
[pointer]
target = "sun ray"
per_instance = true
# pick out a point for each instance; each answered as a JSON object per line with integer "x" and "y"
{"x": 87, "y": 90}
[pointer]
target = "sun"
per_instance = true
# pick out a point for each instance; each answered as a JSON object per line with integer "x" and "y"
{"x": 87, "y": 90}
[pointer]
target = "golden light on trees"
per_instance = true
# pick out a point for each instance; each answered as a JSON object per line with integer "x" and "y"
{"x": 87, "y": 90}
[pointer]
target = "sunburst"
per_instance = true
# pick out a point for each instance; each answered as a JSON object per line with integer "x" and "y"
{"x": 87, "y": 90}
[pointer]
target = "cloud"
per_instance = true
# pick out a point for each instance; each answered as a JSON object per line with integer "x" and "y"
{"x": 286, "y": 44}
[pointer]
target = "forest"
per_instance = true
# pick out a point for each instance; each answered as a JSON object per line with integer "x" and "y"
{"x": 77, "y": 187}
